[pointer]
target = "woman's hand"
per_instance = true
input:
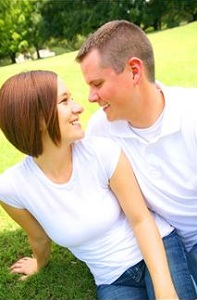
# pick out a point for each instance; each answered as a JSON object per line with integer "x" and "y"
{"x": 26, "y": 266}
{"x": 39, "y": 241}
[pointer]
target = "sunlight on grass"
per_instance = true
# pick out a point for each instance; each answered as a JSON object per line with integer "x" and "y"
{"x": 8, "y": 154}
{"x": 176, "y": 55}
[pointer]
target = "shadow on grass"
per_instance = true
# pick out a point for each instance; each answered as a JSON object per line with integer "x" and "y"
{"x": 64, "y": 278}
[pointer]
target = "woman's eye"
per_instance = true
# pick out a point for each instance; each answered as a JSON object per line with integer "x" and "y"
{"x": 64, "y": 100}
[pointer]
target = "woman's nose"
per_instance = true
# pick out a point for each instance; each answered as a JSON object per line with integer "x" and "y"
{"x": 77, "y": 108}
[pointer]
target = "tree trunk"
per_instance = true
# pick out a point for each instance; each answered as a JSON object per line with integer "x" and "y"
{"x": 13, "y": 57}
{"x": 38, "y": 53}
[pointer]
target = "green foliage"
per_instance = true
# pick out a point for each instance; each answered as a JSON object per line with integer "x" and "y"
{"x": 65, "y": 277}
{"x": 13, "y": 29}
{"x": 36, "y": 22}
{"x": 20, "y": 23}
{"x": 84, "y": 16}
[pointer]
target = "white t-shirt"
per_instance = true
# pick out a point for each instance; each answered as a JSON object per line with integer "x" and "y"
{"x": 82, "y": 214}
{"x": 165, "y": 164}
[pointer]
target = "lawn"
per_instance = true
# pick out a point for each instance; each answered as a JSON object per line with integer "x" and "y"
{"x": 66, "y": 277}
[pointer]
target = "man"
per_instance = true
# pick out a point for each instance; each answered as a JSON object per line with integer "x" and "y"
{"x": 155, "y": 125}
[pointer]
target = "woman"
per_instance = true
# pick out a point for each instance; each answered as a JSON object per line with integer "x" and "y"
{"x": 65, "y": 190}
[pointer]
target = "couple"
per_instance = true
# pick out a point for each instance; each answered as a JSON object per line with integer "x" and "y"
{"x": 79, "y": 200}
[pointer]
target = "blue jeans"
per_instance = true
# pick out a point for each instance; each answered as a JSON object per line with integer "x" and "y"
{"x": 135, "y": 283}
{"x": 192, "y": 259}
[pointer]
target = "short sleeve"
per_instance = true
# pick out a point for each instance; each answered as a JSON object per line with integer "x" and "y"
{"x": 8, "y": 193}
{"x": 107, "y": 153}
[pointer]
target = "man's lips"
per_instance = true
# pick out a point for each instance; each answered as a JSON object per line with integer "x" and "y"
{"x": 105, "y": 106}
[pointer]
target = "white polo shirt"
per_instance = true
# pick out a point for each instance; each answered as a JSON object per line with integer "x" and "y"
{"x": 166, "y": 165}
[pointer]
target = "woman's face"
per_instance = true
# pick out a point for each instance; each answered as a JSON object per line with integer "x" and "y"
{"x": 68, "y": 115}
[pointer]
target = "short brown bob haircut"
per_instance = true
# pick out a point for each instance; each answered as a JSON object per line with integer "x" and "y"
{"x": 26, "y": 100}
{"x": 117, "y": 41}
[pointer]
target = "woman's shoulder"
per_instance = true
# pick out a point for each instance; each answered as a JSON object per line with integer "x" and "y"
{"x": 97, "y": 143}
{"x": 99, "y": 152}
{"x": 15, "y": 172}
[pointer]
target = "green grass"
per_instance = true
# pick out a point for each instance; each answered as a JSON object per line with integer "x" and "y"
{"x": 176, "y": 55}
{"x": 66, "y": 277}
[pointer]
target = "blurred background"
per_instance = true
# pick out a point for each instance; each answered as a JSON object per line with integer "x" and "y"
{"x": 31, "y": 29}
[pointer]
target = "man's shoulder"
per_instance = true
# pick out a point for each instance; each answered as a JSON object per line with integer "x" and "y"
{"x": 182, "y": 99}
{"x": 181, "y": 93}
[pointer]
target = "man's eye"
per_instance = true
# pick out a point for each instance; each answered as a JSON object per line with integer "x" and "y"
{"x": 97, "y": 84}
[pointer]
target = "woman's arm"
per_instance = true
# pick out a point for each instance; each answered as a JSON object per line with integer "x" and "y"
{"x": 38, "y": 239}
{"x": 124, "y": 185}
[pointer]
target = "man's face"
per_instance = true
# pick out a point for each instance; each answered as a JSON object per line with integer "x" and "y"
{"x": 112, "y": 91}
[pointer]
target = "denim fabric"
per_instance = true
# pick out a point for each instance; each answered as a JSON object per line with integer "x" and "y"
{"x": 135, "y": 283}
{"x": 192, "y": 259}
{"x": 130, "y": 285}
{"x": 179, "y": 268}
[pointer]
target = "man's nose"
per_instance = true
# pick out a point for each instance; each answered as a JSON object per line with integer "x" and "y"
{"x": 93, "y": 96}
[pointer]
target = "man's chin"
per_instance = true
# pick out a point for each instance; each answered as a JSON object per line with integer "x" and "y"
{"x": 110, "y": 118}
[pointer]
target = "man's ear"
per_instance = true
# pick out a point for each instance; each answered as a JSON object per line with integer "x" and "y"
{"x": 136, "y": 66}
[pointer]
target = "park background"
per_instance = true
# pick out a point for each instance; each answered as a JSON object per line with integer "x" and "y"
{"x": 26, "y": 26}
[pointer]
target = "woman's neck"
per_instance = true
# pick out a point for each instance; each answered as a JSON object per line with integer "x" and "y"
{"x": 56, "y": 163}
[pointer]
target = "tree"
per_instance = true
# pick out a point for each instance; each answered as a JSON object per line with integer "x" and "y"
{"x": 34, "y": 24}
{"x": 12, "y": 29}
{"x": 20, "y": 27}
{"x": 30, "y": 23}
